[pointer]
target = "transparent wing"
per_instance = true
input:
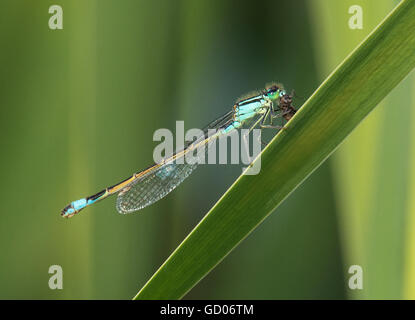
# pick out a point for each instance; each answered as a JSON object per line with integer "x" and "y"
{"x": 152, "y": 187}
{"x": 157, "y": 183}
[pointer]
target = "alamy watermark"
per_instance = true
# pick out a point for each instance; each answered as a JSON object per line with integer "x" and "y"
{"x": 356, "y": 280}
{"x": 210, "y": 146}
{"x": 356, "y": 20}
{"x": 56, "y": 19}
{"x": 56, "y": 280}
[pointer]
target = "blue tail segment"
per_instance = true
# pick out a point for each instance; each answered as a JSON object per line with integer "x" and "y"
{"x": 74, "y": 207}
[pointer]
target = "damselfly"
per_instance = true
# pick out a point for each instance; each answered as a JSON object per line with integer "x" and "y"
{"x": 152, "y": 184}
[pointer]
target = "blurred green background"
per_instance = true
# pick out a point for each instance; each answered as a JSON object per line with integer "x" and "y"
{"x": 79, "y": 107}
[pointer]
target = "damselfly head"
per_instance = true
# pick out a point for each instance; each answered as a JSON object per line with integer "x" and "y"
{"x": 274, "y": 91}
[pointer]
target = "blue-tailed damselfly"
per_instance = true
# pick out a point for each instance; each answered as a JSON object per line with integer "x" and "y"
{"x": 152, "y": 184}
